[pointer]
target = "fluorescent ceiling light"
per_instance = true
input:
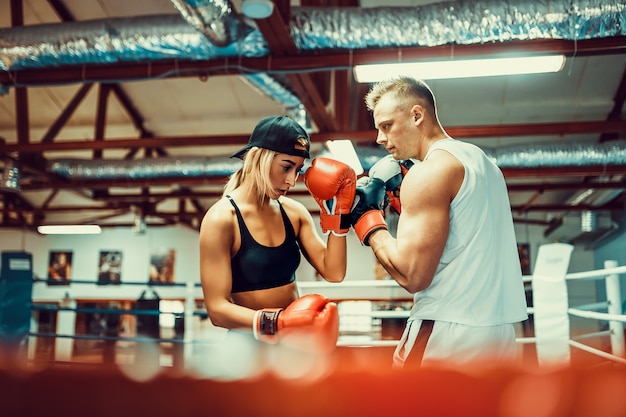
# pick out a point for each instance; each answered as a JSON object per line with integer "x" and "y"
{"x": 460, "y": 68}
{"x": 73, "y": 229}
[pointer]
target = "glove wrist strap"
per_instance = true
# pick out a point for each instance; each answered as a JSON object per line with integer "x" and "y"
{"x": 339, "y": 224}
{"x": 266, "y": 324}
{"x": 370, "y": 222}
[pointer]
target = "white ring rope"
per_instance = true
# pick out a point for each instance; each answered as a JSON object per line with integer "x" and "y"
{"x": 600, "y": 273}
{"x": 526, "y": 340}
{"x": 596, "y": 315}
{"x": 594, "y": 306}
{"x": 592, "y": 335}
{"x": 382, "y": 291}
{"x": 598, "y": 352}
{"x": 588, "y": 312}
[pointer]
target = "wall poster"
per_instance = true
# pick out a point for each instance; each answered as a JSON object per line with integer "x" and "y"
{"x": 59, "y": 267}
{"x": 110, "y": 267}
{"x": 161, "y": 269}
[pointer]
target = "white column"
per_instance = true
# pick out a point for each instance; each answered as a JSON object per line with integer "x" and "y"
{"x": 32, "y": 340}
{"x": 66, "y": 325}
{"x": 614, "y": 299}
{"x": 550, "y": 302}
{"x": 190, "y": 307}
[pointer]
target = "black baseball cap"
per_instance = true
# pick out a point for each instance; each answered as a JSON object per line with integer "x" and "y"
{"x": 278, "y": 133}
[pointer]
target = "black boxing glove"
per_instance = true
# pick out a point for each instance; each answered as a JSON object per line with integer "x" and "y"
{"x": 367, "y": 213}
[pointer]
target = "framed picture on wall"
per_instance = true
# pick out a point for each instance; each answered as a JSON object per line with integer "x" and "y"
{"x": 110, "y": 267}
{"x": 59, "y": 267}
{"x": 161, "y": 268}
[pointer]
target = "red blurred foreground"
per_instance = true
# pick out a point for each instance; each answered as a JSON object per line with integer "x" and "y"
{"x": 353, "y": 388}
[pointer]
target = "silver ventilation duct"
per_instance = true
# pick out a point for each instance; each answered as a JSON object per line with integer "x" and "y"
{"x": 206, "y": 27}
{"x": 208, "y": 17}
{"x": 546, "y": 156}
{"x": 144, "y": 168}
{"x": 455, "y": 22}
{"x": 560, "y": 154}
{"x": 108, "y": 41}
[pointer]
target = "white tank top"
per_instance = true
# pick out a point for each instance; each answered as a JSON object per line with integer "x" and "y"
{"x": 478, "y": 281}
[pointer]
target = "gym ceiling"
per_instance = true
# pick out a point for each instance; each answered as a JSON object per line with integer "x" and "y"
{"x": 114, "y": 109}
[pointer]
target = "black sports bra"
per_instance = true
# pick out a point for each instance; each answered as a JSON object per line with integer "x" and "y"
{"x": 257, "y": 267}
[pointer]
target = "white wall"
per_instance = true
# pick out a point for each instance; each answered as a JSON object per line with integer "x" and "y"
{"x": 136, "y": 250}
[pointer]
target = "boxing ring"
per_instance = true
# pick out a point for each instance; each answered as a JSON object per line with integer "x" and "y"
{"x": 211, "y": 372}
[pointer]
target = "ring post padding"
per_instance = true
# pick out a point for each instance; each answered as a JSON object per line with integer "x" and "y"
{"x": 188, "y": 335}
{"x": 66, "y": 325}
{"x": 552, "y": 329}
{"x": 16, "y": 287}
{"x": 614, "y": 300}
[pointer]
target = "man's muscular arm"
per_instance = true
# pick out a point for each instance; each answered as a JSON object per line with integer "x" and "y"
{"x": 427, "y": 191}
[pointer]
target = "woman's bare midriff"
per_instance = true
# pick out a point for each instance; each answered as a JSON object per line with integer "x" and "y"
{"x": 279, "y": 297}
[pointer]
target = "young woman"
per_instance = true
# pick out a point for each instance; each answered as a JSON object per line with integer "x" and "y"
{"x": 251, "y": 239}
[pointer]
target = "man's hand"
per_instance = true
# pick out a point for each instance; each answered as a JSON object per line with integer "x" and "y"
{"x": 391, "y": 172}
{"x": 367, "y": 214}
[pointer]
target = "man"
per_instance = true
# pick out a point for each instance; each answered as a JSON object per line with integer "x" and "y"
{"x": 455, "y": 247}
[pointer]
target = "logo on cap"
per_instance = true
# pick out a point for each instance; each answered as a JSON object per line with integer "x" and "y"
{"x": 303, "y": 142}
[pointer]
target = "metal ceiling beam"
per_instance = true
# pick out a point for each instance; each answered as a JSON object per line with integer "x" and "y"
{"x": 363, "y": 137}
{"x": 342, "y": 96}
{"x": 61, "y": 10}
{"x": 66, "y": 114}
{"x": 513, "y": 188}
{"x": 100, "y": 120}
{"x": 303, "y": 62}
{"x": 178, "y": 215}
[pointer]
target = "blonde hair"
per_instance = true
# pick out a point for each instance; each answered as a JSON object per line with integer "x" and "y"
{"x": 406, "y": 90}
{"x": 257, "y": 163}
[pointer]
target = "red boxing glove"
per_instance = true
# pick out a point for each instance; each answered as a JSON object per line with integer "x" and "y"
{"x": 309, "y": 323}
{"x": 333, "y": 185}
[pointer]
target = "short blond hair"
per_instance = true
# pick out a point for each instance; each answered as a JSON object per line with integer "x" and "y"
{"x": 257, "y": 163}
{"x": 407, "y": 91}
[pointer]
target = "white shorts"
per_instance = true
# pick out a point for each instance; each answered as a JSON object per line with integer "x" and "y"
{"x": 458, "y": 344}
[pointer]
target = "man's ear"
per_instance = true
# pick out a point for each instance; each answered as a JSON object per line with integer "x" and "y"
{"x": 418, "y": 112}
